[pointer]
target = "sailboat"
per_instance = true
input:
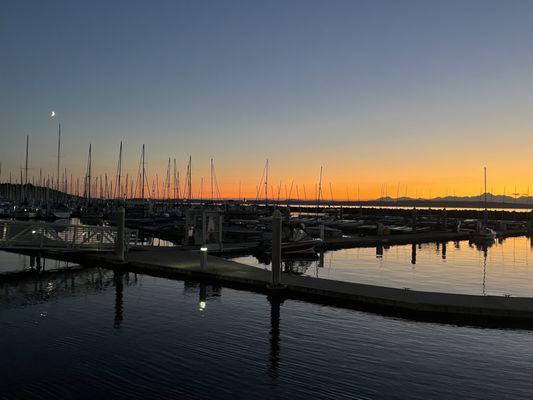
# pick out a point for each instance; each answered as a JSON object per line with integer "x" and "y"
{"x": 484, "y": 234}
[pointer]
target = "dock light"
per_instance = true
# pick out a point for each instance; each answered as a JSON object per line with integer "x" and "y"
{"x": 34, "y": 232}
{"x": 202, "y": 305}
{"x": 203, "y": 256}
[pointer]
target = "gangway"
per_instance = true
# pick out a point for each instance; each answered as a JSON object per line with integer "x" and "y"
{"x": 32, "y": 235}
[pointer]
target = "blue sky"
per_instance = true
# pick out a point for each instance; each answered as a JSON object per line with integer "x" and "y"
{"x": 376, "y": 91}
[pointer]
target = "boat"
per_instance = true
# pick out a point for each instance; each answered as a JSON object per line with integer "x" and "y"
{"x": 300, "y": 246}
{"x": 483, "y": 235}
{"x": 295, "y": 240}
{"x": 62, "y": 212}
{"x": 314, "y": 231}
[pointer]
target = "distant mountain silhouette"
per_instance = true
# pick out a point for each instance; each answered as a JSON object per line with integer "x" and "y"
{"x": 490, "y": 198}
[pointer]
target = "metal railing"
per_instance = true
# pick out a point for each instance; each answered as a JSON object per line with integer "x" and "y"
{"x": 40, "y": 235}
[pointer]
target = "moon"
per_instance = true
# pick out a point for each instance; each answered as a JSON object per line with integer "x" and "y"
{"x": 52, "y": 114}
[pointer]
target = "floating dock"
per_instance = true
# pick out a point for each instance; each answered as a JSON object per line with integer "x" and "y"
{"x": 456, "y": 308}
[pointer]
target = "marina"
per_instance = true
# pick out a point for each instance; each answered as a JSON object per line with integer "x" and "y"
{"x": 196, "y": 264}
{"x": 298, "y": 200}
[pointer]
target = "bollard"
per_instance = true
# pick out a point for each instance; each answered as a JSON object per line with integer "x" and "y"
{"x": 203, "y": 256}
{"x": 119, "y": 243}
{"x": 276, "y": 249}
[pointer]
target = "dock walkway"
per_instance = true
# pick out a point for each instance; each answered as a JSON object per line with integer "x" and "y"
{"x": 172, "y": 262}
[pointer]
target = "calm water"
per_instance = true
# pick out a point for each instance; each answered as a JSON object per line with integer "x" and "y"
{"x": 506, "y": 267}
{"x": 94, "y": 333}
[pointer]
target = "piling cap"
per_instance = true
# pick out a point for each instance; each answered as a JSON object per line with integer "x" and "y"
{"x": 276, "y": 214}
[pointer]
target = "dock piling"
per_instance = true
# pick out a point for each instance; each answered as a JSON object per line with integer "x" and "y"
{"x": 119, "y": 243}
{"x": 276, "y": 249}
{"x": 414, "y": 220}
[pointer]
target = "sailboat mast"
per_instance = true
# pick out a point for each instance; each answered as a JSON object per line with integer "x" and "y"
{"x": 319, "y": 192}
{"x": 118, "y": 186}
{"x": 485, "y": 212}
{"x": 143, "y": 175}
{"x": 26, "y": 167}
{"x": 89, "y": 178}
{"x": 58, "y": 151}
{"x": 212, "y": 194}
{"x": 266, "y": 184}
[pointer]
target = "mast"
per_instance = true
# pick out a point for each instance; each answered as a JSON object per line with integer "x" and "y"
{"x": 143, "y": 175}
{"x": 485, "y": 212}
{"x": 266, "y": 183}
{"x": 190, "y": 178}
{"x": 174, "y": 182}
{"x": 318, "y": 192}
{"x": 212, "y": 194}
{"x": 167, "y": 187}
{"x": 89, "y": 167}
{"x": 26, "y": 167}
{"x": 58, "y": 151}
{"x": 118, "y": 191}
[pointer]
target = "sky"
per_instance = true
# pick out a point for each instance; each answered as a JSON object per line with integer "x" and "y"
{"x": 388, "y": 97}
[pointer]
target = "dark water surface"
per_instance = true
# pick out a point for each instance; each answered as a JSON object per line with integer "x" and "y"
{"x": 96, "y": 334}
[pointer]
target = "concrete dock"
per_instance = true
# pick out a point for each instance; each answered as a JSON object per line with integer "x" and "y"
{"x": 456, "y": 308}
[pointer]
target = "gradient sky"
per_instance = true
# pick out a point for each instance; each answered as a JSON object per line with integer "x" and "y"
{"x": 420, "y": 94}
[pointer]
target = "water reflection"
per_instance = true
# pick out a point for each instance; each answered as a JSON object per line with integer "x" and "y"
{"x": 118, "y": 278}
{"x": 205, "y": 292}
{"x": 379, "y": 251}
{"x": 33, "y": 289}
{"x": 497, "y": 268}
{"x": 274, "y": 356}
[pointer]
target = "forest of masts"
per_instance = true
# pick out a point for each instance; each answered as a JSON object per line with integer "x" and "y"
{"x": 118, "y": 186}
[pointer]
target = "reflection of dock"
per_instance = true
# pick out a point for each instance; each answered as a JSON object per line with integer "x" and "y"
{"x": 37, "y": 288}
{"x": 348, "y": 241}
{"x": 372, "y": 241}
{"x": 171, "y": 262}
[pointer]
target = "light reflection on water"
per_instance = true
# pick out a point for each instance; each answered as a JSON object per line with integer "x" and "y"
{"x": 454, "y": 267}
